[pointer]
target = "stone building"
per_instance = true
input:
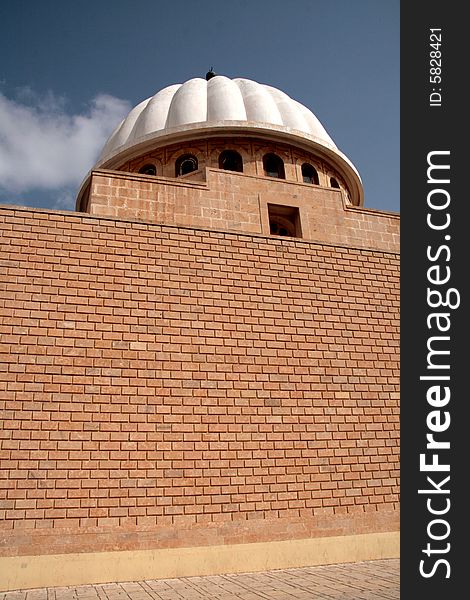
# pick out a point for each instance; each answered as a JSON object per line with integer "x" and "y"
{"x": 200, "y": 365}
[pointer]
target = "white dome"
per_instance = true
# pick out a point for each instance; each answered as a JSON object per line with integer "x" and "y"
{"x": 199, "y": 109}
{"x": 219, "y": 102}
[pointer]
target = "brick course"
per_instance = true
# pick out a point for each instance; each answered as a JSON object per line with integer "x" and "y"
{"x": 238, "y": 202}
{"x": 169, "y": 386}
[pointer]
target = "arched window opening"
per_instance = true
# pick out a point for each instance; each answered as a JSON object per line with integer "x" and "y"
{"x": 284, "y": 220}
{"x": 309, "y": 174}
{"x": 230, "y": 160}
{"x": 148, "y": 169}
{"x": 273, "y": 166}
{"x": 187, "y": 163}
{"x": 334, "y": 183}
{"x": 279, "y": 226}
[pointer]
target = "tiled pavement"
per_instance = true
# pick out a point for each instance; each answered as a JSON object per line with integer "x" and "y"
{"x": 372, "y": 580}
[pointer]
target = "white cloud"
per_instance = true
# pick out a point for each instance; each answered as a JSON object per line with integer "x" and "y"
{"x": 43, "y": 147}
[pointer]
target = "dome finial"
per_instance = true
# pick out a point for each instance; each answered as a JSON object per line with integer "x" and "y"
{"x": 210, "y": 74}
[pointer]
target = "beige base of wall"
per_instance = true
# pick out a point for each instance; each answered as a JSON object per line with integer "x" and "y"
{"x": 25, "y": 572}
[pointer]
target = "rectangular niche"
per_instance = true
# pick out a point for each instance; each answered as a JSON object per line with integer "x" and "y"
{"x": 284, "y": 220}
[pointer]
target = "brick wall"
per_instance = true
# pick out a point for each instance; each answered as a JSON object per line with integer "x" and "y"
{"x": 239, "y": 202}
{"x": 166, "y": 386}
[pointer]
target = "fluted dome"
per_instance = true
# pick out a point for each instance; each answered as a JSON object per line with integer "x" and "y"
{"x": 214, "y": 103}
{"x": 219, "y": 106}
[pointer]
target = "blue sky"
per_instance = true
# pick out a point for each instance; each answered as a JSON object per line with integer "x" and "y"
{"x": 71, "y": 70}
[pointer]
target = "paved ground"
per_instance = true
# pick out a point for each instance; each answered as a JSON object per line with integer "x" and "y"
{"x": 373, "y": 580}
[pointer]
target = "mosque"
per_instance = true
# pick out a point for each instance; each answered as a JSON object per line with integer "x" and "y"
{"x": 200, "y": 365}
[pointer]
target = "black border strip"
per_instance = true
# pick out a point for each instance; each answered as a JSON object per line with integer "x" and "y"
{"x": 434, "y": 124}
